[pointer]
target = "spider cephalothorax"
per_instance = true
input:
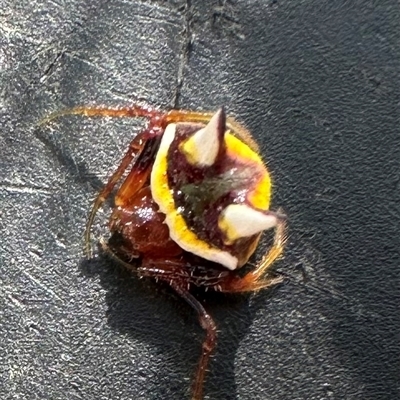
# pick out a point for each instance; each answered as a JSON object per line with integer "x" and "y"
{"x": 191, "y": 208}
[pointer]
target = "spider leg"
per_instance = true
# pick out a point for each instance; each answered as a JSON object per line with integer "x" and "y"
{"x": 255, "y": 279}
{"x": 141, "y": 148}
{"x": 176, "y": 274}
{"x": 210, "y": 340}
{"x": 141, "y": 168}
{"x": 134, "y": 111}
{"x": 106, "y": 248}
{"x": 136, "y": 148}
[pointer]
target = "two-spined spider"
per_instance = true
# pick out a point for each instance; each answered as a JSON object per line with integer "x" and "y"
{"x": 191, "y": 209}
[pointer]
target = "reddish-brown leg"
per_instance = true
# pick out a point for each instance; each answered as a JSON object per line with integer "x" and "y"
{"x": 140, "y": 147}
{"x": 208, "y": 324}
{"x": 255, "y": 279}
{"x": 177, "y": 275}
{"x": 137, "y": 146}
{"x": 134, "y": 111}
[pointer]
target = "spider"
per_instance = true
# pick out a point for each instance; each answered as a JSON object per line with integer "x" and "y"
{"x": 191, "y": 208}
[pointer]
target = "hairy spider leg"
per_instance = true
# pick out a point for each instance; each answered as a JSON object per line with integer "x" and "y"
{"x": 176, "y": 275}
{"x": 141, "y": 148}
{"x": 255, "y": 279}
{"x": 134, "y": 111}
{"x": 136, "y": 147}
{"x": 210, "y": 340}
{"x": 141, "y": 168}
{"x": 179, "y": 276}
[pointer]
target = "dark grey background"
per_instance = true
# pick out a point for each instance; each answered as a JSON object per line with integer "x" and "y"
{"x": 317, "y": 82}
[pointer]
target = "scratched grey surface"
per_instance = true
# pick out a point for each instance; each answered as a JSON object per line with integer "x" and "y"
{"x": 318, "y": 84}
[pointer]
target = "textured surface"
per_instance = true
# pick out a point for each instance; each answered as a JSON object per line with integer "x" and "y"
{"x": 318, "y": 84}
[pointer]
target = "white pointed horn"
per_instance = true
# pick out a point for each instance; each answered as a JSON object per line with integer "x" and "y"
{"x": 203, "y": 147}
{"x": 240, "y": 220}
